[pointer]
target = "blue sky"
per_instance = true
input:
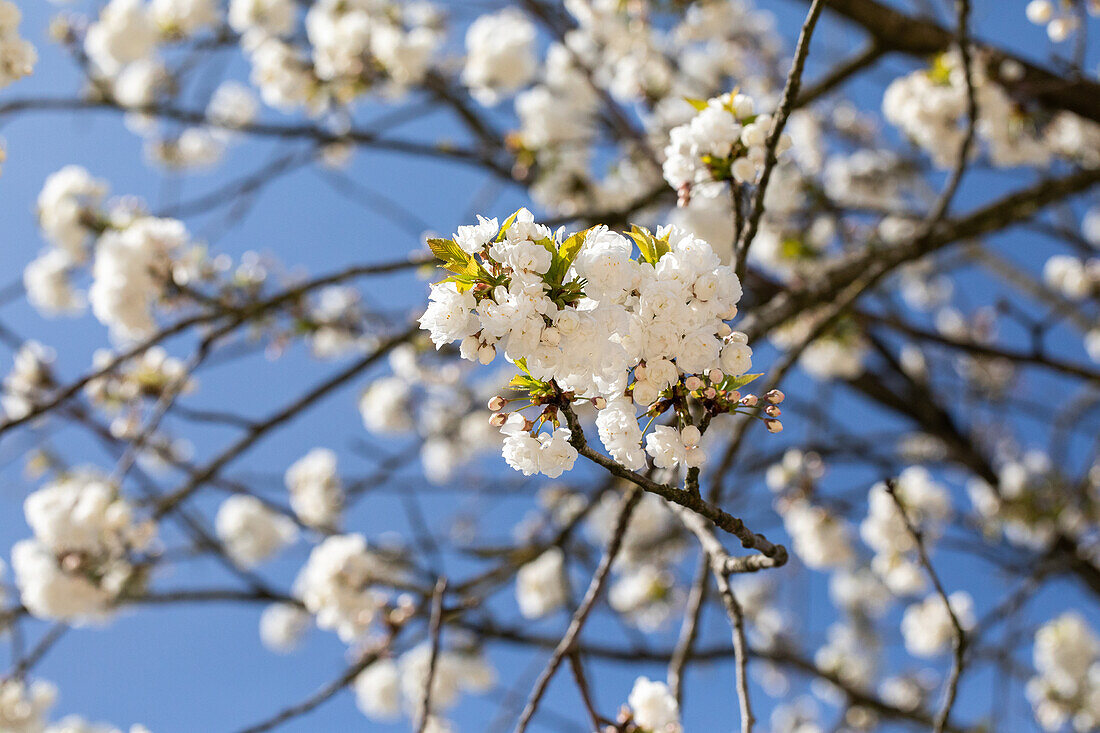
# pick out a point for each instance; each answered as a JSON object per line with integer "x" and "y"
{"x": 202, "y": 668}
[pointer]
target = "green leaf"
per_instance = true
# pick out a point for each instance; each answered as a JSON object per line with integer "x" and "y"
{"x": 940, "y": 71}
{"x": 732, "y": 383}
{"x": 471, "y": 269}
{"x": 652, "y": 249}
{"x": 507, "y": 223}
{"x": 564, "y": 256}
{"x": 447, "y": 251}
{"x": 571, "y": 247}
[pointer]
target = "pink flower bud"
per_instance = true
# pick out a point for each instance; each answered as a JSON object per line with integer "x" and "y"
{"x": 772, "y": 411}
{"x": 497, "y": 403}
{"x": 749, "y": 400}
{"x": 775, "y": 396}
{"x": 498, "y": 419}
{"x": 773, "y": 426}
{"x": 693, "y": 383}
{"x": 599, "y": 403}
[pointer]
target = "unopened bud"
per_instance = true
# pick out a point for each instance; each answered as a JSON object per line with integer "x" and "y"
{"x": 599, "y": 403}
{"x": 71, "y": 562}
{"x": 772, "y": 411}
{"x": 710, "y": 393}
{"x": 724, "y": 330}
{"x": 739, "y": 337}
{"x": 486, "y": 354}
{"x": 773, "y": 426}
{"x": 497, "y": 403}
{"x": 693, "y": 383}
{"x": 683, "y": 195}
{"x": 639, "y": 372}
{"x": 749, "y": 400}
{"x": 775, "y": 396}
{"x": 498, "y": 419}
{"x": 716, "y": 375}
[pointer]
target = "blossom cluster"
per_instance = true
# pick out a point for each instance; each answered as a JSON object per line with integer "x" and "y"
{"x": 17, "y": 56}
{"x": 653, "y": 708}
{"x": 1060, "y": 20}
{"x": 85, "y": 551}
{"x": 388, "y": 687}
{"x": 24, "y": 708}
{"x": 1031, "y": 507}
{"x": 725, "y": 141}
{"x": 1073, "y": 277}
{"x": 927, "y": 507}
{"x": 1066, "y": 688}
{"x": 929, "y": 106}
{"x": 439, "y": 401}
{"x": 587, "y": 320}
{"x": 134, "y": 254}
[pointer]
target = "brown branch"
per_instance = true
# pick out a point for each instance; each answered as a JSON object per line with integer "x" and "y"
{"x": 779, "y": 121}
{"x": 595, "y": 587}
{"x": 960, "y": 639}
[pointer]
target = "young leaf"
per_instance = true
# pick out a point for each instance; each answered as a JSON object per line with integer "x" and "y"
{"x": 507, "y": 223}
{"x": 446, "y": 250}
{"x": 731, "y": 383}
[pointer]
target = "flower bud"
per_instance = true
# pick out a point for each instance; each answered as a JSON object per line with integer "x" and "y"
{"x": 497, "y": 403}
{"x": 71, "y": 562}
{"x": 498, "y": 419}
{"x": 724, "y": 330}
{"x": 693, "y": 383}
{"x": 772, "y": 411}
{"x": 639, "y": 372}
{"x": 486, "y": 354}
{"x": 775, "y": 396}
{"x": 749, "y": 400}
{"x": 710, "y": 393}
{"x": 716, "y": 375}
{"x": 773, "y": 426}
{"x": 599, "y": 403}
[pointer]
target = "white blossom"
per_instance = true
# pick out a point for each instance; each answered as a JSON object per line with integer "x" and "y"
{"x": 250, "y": 531}
{"x": 654, "y": 707}
{"x": 540, "y": 584}
{"x": 316, "y": 492}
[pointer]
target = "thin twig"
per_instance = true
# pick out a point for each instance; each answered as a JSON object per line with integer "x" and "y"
{"x": 565, "y": 646}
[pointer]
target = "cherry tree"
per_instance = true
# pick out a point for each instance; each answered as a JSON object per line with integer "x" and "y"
{"x": 756, "y": 388}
